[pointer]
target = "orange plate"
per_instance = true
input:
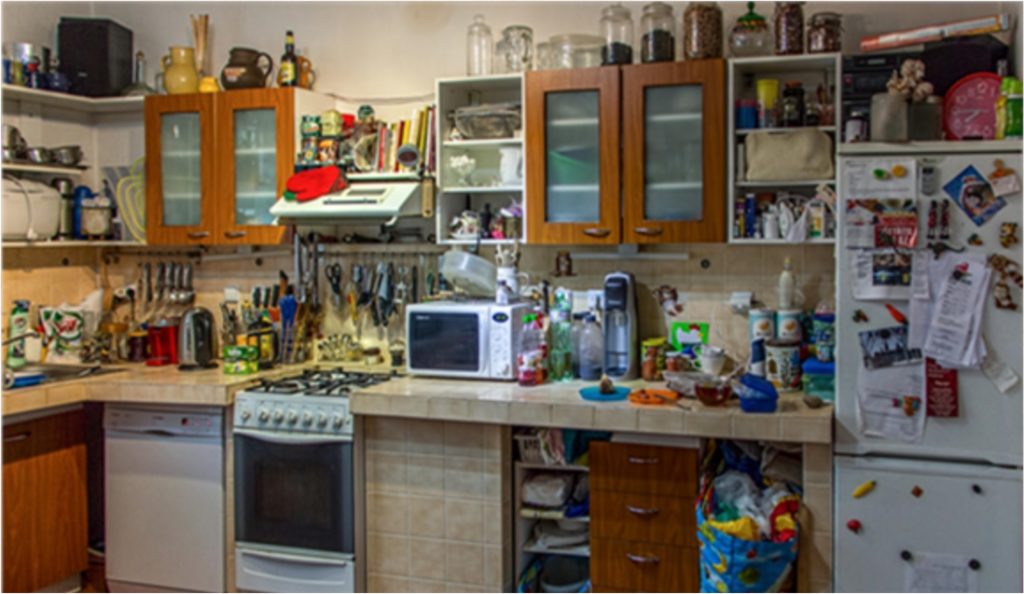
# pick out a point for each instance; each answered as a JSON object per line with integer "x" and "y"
{"x": 653, "y": 396}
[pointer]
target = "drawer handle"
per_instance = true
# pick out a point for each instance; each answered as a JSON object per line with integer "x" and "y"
{"x": 235, "y": 234}
{"x": 18, "y": 437}
{"x": 642, "y": 511}
{"x": 597, "y": 232}
{"x": 198, "y": 234}
{"x": 643, "y": 559}
{"x": 648, "y": 230}
{"x": 639, "y": 460}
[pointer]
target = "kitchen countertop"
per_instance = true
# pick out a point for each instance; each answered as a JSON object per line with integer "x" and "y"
{"x": 560, "y": 405}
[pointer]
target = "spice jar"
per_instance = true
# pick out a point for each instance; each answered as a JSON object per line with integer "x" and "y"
{"x": 617, "y": 29}
{"x": 792, "y": 106}
{"x": 702, "y": 31}
{"x": 825, "y": 34}
{"x": 659, "y": 40}
{"x": 789, "y": 28}
{"x": 750, "y": 35}
{"x": 653, "y": 363}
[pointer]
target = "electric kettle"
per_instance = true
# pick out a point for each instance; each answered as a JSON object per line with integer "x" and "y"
{"x": 195, "y": 340}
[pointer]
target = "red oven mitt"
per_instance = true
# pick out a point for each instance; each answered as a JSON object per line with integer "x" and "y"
{"x": 313, "y": 183}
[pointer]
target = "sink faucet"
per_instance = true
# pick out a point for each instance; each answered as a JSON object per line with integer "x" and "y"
{"x": 29, "y": 334}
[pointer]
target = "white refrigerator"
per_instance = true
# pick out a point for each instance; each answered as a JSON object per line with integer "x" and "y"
{"x": 945, "y": 511}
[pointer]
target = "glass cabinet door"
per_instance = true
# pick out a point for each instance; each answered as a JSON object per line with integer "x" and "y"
{"x": 179, "y": 145}
{"x": 259, "y": 128}
{"x": 674, "y": 152}
{"x": 572, "y": 174}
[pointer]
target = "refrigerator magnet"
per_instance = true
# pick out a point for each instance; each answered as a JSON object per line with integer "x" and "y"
{"x": 1008, "y": 235}
{"x": 973, "y": 194}
{"x": 864, "y": 488}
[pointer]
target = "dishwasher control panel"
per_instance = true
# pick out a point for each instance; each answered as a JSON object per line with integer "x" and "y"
{"x": 160, "y": 421}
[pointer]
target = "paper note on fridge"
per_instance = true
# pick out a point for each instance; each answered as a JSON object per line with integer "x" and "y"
{"x": 933, "y": 572}
{"x": 954, "y": 329}
{"x": 881, "y": 178}
{"x": 890, "y": 403}
{"x": 880, "y": 223}
{"x": 882, "y": 274}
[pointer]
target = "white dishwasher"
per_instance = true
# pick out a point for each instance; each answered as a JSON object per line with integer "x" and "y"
{"x": 165, "y": 498}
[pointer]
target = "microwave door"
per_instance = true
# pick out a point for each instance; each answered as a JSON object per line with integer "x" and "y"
{"x": 449, "y": 343}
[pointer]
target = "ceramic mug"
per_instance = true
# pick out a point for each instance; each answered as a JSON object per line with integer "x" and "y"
{"x": 712, "y": 359}
{"x": 511, "y": 276}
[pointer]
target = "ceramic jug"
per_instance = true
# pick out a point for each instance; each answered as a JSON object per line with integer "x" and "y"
{"x": 307, "y": 76}
{"x": 179, "y": 71}
{"x": 244, "y": 71}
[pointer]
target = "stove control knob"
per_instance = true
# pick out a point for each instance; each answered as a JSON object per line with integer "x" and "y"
{"x": 337, "y": 421}
{"x": 264, "y": 415}
{"x": 321, "y": 420}
{"x": 245, "y": 414}
{"x": 307, "y": 418}
{"x": 293, "y": 417}
{"x": 278, "y": 415}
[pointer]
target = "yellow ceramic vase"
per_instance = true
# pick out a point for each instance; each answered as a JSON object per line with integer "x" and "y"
{"x": 179, "y": 71}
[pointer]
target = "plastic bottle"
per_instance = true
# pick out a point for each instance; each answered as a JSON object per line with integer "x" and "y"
{"x": 575, "y": 334}
{"x": 561, "y": 346}
{"x": 532, "y": 361}
{"x": 18, "y": 325}
{"x": 787, "y": 285}
{"x": 479, "y": 47}
{"x": 591, "y": 350}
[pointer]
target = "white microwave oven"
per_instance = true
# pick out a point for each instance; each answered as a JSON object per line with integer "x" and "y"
{"x": 474, "y": 340}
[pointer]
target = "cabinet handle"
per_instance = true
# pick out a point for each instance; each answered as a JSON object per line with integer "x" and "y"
{"x": 198, "y": 234}
{"x": 643, "y": 559}
{"x": 18, "y": 437}
{"x": 642, "y": 511}
{"x": 638, "y": 460}
{"x": 652, "y": 231}
{"x": 235, "y": 234}
{"x": 597, "y": 232}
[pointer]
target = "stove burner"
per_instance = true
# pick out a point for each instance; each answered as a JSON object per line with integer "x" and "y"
{"x": 320, "y": 382}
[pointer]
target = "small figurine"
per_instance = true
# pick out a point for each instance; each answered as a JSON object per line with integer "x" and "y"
{"x": 975, "y": 240}
{"x": 1007, "y": 269}
{"x": 910, "y": 82}
{"x": 606, "y": 386}
{"x": 668, "y": 298}
{"x": 1003, "y": 297}
{"x": 859, "y": 316}
{"x": 563, "y": 264}
{"x": 1008, "y": 234}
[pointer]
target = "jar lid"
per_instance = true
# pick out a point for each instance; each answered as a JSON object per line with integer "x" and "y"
{"x": 616, "y": 10}
{"x": 751, "y": 19}
{"x": 826, "y": 17}
{"x": 657, "y": 7}
{"x": 794, "y": 84}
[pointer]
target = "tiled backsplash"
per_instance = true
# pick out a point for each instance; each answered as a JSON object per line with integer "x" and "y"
{"x": 43, "y": 277}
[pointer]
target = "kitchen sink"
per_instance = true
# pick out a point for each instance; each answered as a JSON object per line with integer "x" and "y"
{"x": 52, "y": 373}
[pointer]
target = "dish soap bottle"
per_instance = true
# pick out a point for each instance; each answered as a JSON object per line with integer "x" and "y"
{"x": 787, "y": 285}
{"x": 532, "y": 362}
{"x": 18, "y": 326}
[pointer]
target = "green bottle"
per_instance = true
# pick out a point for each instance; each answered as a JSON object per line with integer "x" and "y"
{"x": 18, "y": 326}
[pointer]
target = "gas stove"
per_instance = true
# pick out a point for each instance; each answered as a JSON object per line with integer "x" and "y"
{"x": 313, "y": 402}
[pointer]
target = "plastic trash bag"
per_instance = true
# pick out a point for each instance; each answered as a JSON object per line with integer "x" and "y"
{"x": 730, "y": 564}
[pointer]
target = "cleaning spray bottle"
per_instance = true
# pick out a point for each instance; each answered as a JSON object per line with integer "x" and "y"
{"x": 17, "y": 326}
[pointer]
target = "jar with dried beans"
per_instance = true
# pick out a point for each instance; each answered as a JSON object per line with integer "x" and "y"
{"x": 789, "y": 28}
{"x": 702, "y": 31}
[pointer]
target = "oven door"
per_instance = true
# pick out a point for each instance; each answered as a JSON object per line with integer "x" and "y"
{"x": 294, "y": 491}
{"x": 447, "y": 342}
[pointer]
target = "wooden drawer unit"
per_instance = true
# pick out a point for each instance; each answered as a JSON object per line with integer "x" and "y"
{"x": 620, "y": 565}
{"x": 643, "y": 469}
{"x": 645, "y": 518}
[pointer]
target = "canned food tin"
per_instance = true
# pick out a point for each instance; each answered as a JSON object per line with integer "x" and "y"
{"x": 788, "y": 324}
{"x": 762, "y": 324}
{"x": 782, "y": 364}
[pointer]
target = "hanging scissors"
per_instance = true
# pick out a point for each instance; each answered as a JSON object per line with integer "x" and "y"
{"x": 335, "y": 276}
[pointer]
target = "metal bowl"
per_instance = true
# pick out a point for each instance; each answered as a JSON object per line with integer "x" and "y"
{"x": 38, "y": 154}
{"x": 67, "y": 155}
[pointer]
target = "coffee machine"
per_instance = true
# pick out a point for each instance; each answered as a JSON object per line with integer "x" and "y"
{"x": 621, "y": 359}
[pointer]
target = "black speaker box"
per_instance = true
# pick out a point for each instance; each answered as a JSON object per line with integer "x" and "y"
{"x": 95, "y": 55}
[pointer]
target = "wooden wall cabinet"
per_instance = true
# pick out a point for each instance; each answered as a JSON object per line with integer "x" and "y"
{"x": 216, "y": 163}
{"x": 631, "y": 154}
{"x": 643, "y": 534}
{"x": 45, "y": 517}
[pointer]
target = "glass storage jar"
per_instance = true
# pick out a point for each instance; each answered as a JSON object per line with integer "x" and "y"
{"x": 659, "y": 40}
{"x": 518, "y": 40}
{"x": 702, "y": 31}
{"x": 750, "y": 35}
{"x": 789, "y": 28}
{"x": 542, "y": 56}
{"x": 617, "y": 29}
{"x": 792, "y": 106}
{"x": 825, "y": 33}
{"x": 479, "y": 48}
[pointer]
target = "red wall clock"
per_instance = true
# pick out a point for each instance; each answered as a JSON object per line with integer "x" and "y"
{"x": 969, "y": 107}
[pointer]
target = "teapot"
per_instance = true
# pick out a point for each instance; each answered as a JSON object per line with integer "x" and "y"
{"x": 243, "y": 70}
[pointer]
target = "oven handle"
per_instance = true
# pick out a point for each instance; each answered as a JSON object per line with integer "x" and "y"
{"x": 295, "y": 558}
{"x": 293, "y": 438}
